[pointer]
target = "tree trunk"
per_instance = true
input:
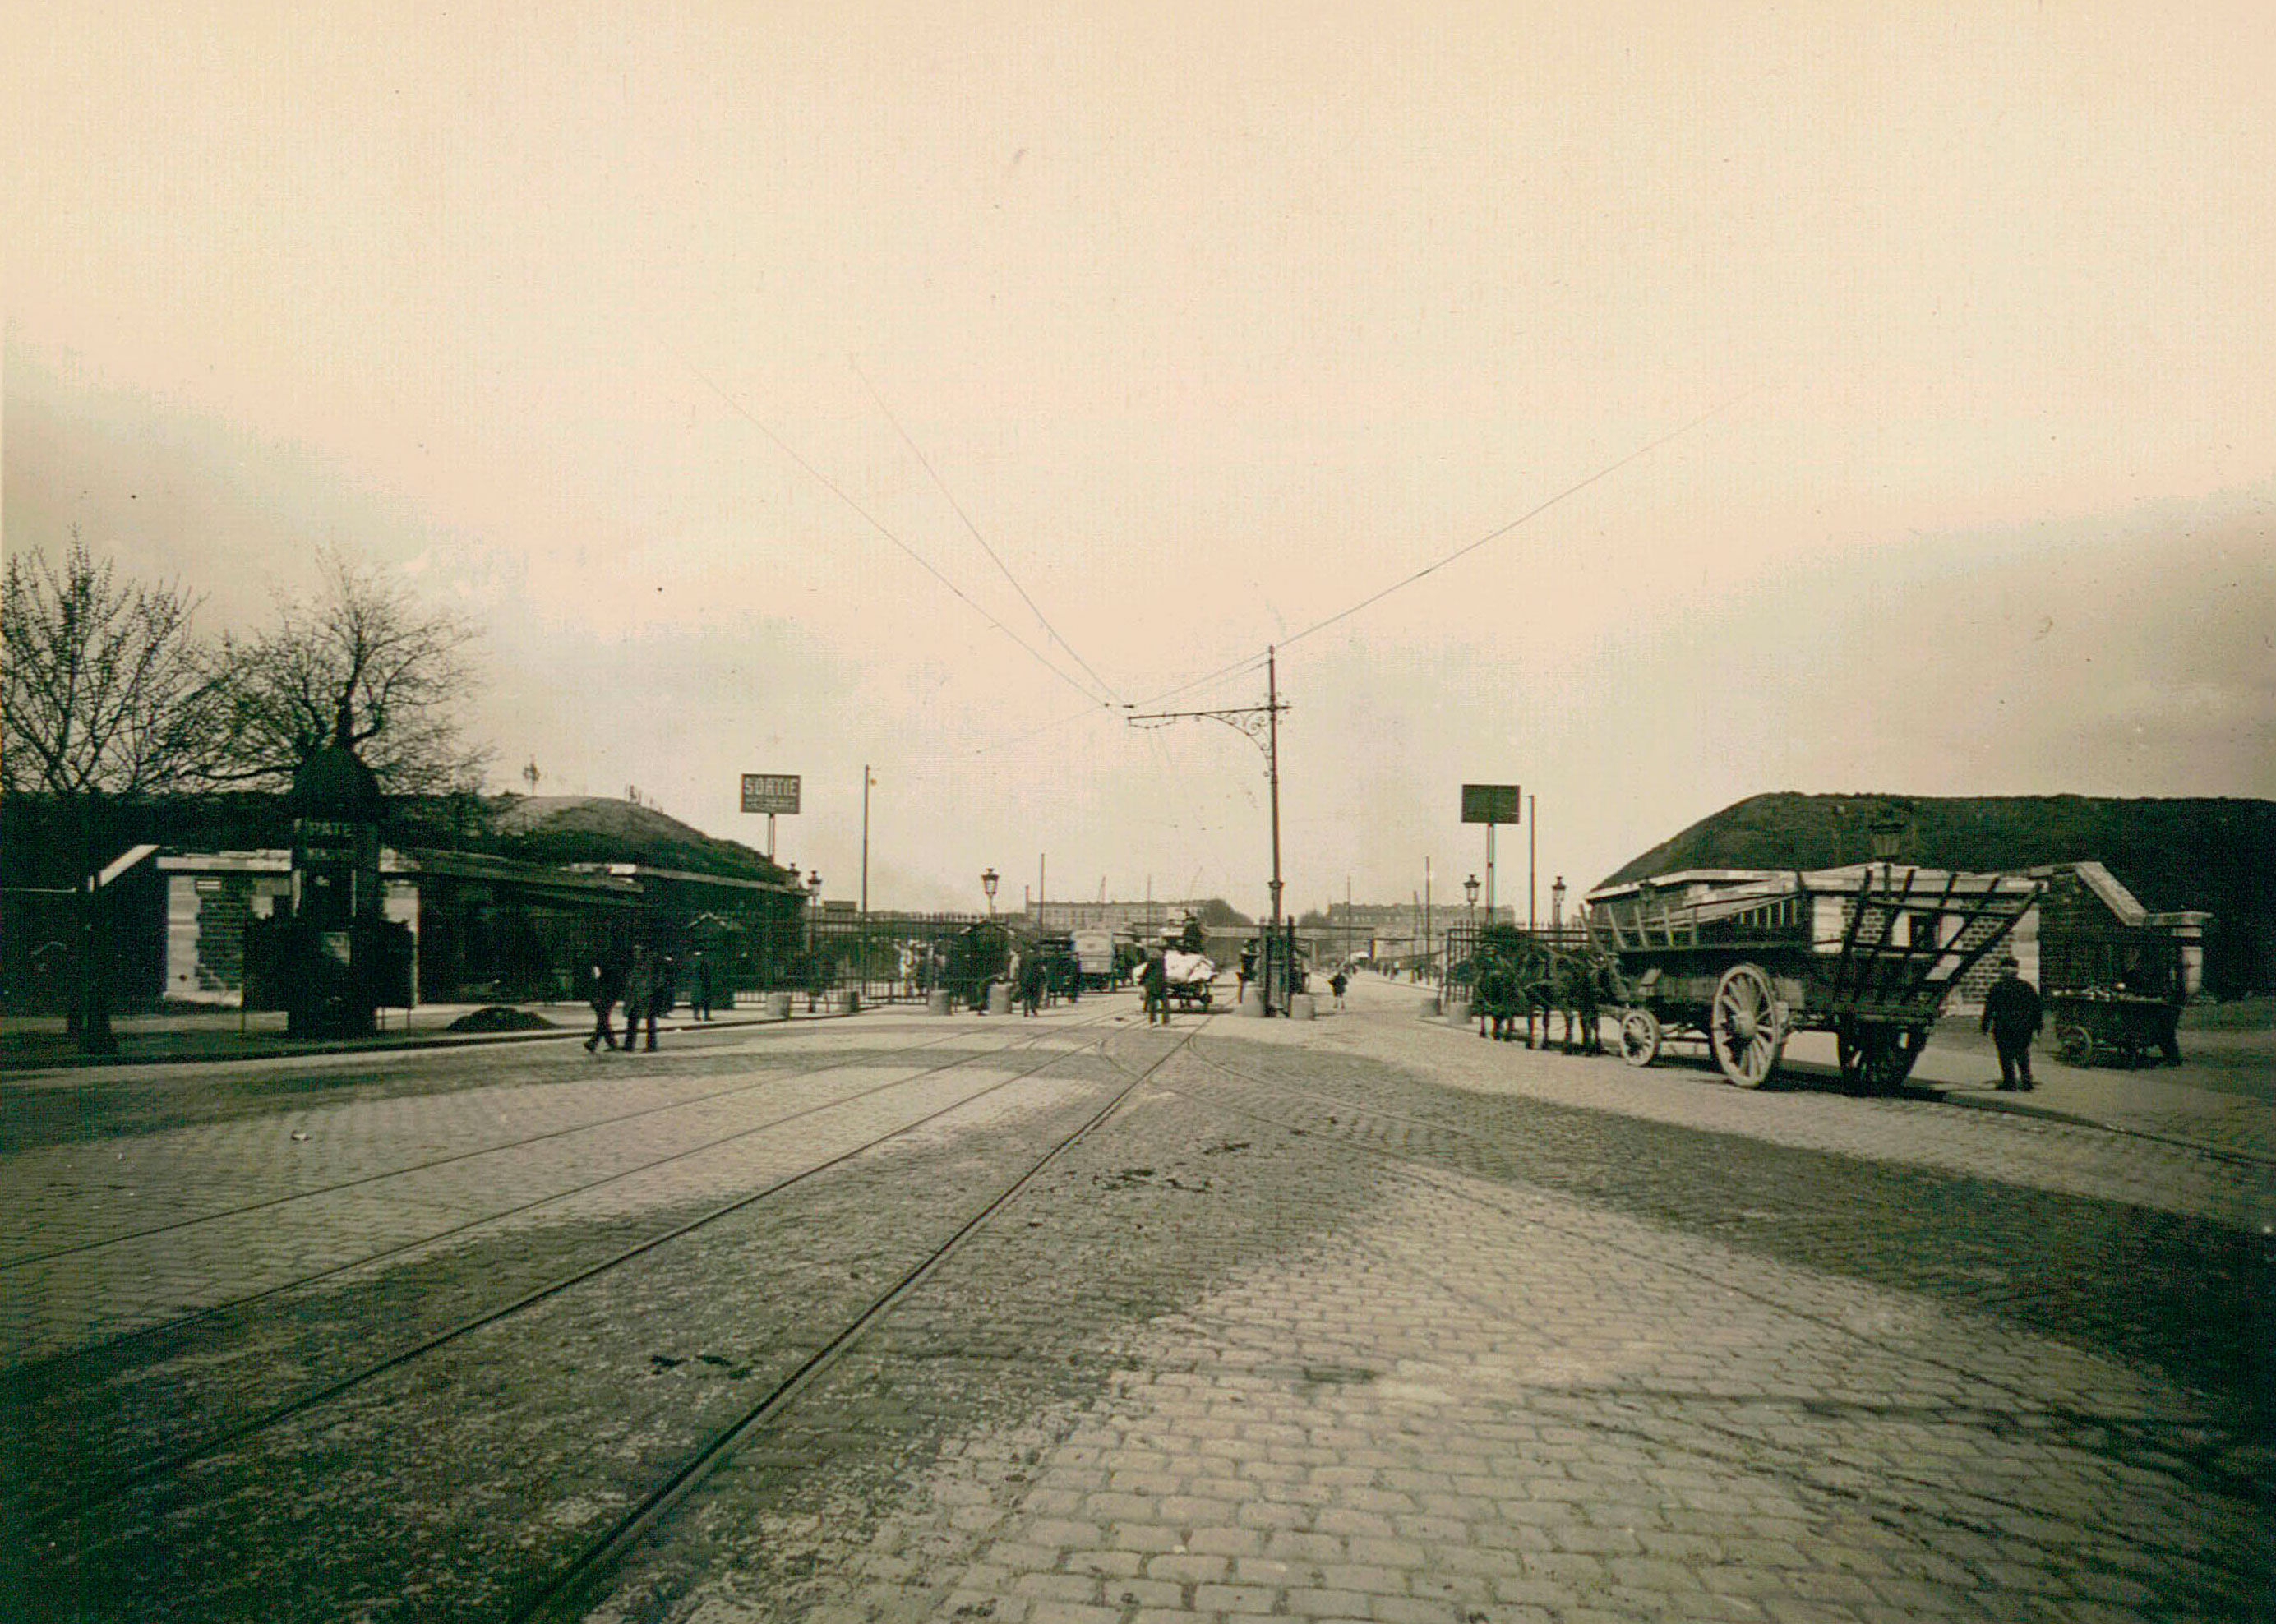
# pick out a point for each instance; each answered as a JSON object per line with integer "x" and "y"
{"x": 91, "y": 1001}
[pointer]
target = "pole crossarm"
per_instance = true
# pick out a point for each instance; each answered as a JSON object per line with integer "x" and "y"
{"x": 1253, "y": 723}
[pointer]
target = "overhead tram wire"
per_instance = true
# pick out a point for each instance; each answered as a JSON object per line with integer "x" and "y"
{"x": 926, "y": 463}
{"x": 878, "y": 524}
{"x": 1463, "y": 551}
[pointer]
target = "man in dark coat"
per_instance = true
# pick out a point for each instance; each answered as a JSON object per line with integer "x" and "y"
{"x": 605, "y": 981}
{"x": 2013, "y": 1015}
{"x": 699, "y": 987}
{"x": 1154, "y": 985}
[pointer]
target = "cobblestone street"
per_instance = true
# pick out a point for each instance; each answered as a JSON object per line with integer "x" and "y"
{"x": 1358, "y": 1318}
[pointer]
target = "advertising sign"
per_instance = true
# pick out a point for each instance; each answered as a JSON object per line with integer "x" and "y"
{"x": 771, "y": 793}
{"x": 1489, "y": 804}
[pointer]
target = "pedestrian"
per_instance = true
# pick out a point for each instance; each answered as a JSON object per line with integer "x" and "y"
{"x": 603, "y": 981}
{"x": 1031, "y": 985}
{"x": 699, "y": 987}
{"x": 1337, "y": 984}
{"x": 2012, "y": 1015}
{"x": 641, "y": 993}
{"x": 1153, "y": 987}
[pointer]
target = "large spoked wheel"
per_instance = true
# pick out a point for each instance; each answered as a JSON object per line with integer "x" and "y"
{"x": 1747, "y": 1028}
{"x": 1639, "y": 1037}
{"x": 1883, "y": 1055}
{"x": 2074, "y": 1046}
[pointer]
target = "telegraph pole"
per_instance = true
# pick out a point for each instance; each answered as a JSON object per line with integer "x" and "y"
{"x": 1272, "y": 768}
{"x": 1260, "y": 724}
{"x": 866, "y": 782}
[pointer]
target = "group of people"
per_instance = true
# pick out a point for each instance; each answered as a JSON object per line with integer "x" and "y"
{"x": 646, "y": 984}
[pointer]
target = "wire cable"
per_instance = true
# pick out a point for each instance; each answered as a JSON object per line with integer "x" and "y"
{"x": 1465, "y": 550}
{"x": 869, "y": 518}
{"x": 926, "y": 463}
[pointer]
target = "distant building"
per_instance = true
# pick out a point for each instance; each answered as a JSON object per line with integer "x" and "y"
{"x": 1145, "y": 918}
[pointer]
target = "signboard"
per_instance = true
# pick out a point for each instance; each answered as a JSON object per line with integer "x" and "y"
{"x": 1489, "y": 804}
{"x": 771, "y": 793}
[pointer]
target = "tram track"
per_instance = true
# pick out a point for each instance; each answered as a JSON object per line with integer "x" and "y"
{"x": 556, "y": 1597}
{"x": 777, "y": 1074}
{"x": 87, "y": 1495}
{"x": 27, "y": 1373}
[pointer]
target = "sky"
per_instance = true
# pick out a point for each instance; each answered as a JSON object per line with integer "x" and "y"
{"x": 1650, "y": 405}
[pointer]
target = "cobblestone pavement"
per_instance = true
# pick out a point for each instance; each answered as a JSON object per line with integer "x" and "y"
{"x": 1365, "y": 1319}
{"x": 1358, "y": 1318}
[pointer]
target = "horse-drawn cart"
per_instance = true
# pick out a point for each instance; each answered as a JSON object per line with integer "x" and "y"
{"x": 1741, "y": 960}
{"x": 2113, "y": 996}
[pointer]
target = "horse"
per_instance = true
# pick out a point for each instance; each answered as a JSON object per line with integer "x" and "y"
{"x": 1581, "y": 982}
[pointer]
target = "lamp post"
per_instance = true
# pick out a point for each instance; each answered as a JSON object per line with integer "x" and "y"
{"x": 1556, "y": 903}
{"x": 813, "y": 937}
{"x": 988, "y": 883}
{"x": 1470, "y": 891}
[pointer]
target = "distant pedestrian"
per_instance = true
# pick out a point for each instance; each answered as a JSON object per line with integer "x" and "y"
{"x": 1154, "y": 988}
{"x": 1031, "y": 985}
{"x": 640, "y": 987}
{"x": 1337, "y": 984}
{"x": 699, "y": 987}
{"x": 2013, "y": 1015}
{"x": 604, "y": 983}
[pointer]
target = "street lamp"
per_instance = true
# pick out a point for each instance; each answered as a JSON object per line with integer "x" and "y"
{"x": 1470, "y": 891}
{"x": 988, "y": 883}
{"x": 1556, "y": 903}
{"x": 813, "y": 936}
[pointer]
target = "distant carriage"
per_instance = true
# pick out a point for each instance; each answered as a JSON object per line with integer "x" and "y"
{"x": 2114, "y": 996}
{"x": 1742, "y": 961}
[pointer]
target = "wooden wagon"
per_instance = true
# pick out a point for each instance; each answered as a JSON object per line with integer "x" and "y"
{"x": 1740, "y": 961}
{"x": 2113, "y": 996}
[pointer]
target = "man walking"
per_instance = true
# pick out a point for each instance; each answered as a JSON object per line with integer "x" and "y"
{"x": 604, "y": 980}
{"x": 2013, "y": 1015}
{"x": 641, "y": 996}
{"x": 1154, "y": 985}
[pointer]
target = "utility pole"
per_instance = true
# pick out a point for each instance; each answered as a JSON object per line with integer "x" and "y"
{"x": 1273, "y": 767}
{"x": 866, "y": 782}
{"x": 1261, "y": 725}
{"x": 1531, "y": 832}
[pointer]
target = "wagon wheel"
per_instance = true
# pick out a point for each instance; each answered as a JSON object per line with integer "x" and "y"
{"x": 2074, "y": 1046}
{"x": 1639, "y": 1037}
{"x": 1747, "y": 1028}
{"x": 1888, "y": 1055}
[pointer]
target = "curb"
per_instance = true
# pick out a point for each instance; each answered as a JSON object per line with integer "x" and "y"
{"x": 438, "y": 1039}
{"x": 2052, "y": 1113}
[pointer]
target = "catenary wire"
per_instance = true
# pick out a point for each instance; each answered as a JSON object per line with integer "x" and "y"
{"x": 870, "y": 518}
{"x": 926, "y": 463}
{"x": 1493, "y": 535}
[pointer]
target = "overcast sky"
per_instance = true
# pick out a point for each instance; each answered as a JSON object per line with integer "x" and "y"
{"x": 664, "y": 340}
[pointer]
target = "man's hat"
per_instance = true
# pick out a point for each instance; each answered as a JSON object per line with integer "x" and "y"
{"x": 2009, "y": 962}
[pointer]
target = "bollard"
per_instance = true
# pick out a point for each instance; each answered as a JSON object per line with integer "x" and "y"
{"x": 1300, "y": 1006}
{"x": 1252, "y": 1003}
{"x": 936, "y": 1001}
{"x": 778, "y": 1005}
{"x": 1458, "y": 1011}
{"x": 999, "y": 997}
{"x": 846, "y": 1002}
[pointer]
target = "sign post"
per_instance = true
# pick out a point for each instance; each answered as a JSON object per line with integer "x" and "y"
{"x": 773, "y": 793}
{"x": 1491, "y": 804}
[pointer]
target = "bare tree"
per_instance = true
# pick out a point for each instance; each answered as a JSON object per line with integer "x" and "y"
{"x": 359, "y": 663}
{"x": 105, "y": 695}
